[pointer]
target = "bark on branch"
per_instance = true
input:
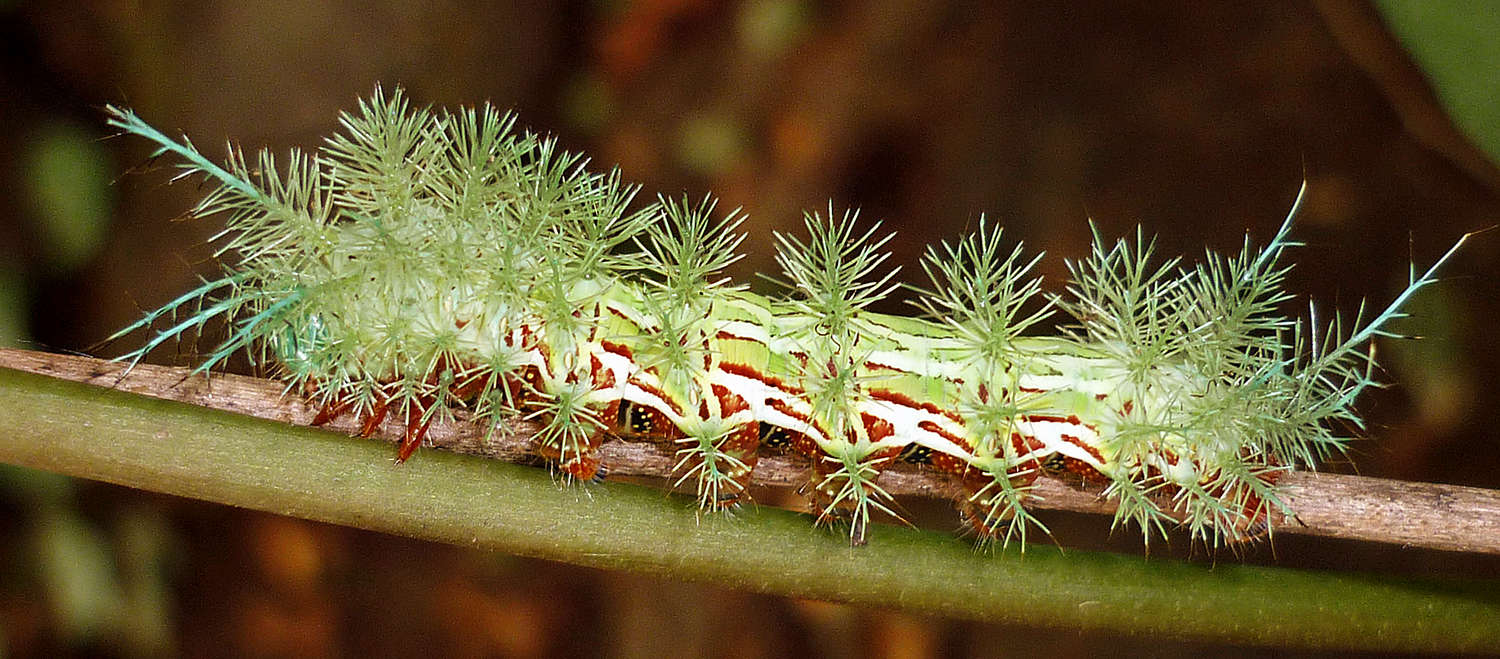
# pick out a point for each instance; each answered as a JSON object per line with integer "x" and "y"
{"x": 1416, "y": 514}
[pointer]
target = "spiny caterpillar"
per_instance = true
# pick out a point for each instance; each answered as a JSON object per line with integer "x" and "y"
{"x": 423, "y": 262}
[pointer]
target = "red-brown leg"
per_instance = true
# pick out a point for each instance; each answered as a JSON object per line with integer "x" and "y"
{"x": 416, "y": 431}
{"x": 330, "y": 411}
{"x": 373, "y": 418}
{"x": 582, "y": 461}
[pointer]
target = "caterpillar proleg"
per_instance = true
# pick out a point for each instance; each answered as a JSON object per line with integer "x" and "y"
{"x": 423, "y": 262}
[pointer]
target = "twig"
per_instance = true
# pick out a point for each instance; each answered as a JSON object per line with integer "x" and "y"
{"x": 192, "y": 451}
{"x": 1414, "y": 514}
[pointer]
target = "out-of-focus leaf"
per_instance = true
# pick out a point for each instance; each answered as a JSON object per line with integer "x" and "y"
{"x": 1457, "y": 43}
{"x": 78, "y": 572}
{"x": 144, "y": 537}
{"x": 1434, "y": 369}
{"x": 709, "y": 143}
{"x": 68, "y": 185}
{"x": 769, "y": 27}
{"x": 36, "y": 486}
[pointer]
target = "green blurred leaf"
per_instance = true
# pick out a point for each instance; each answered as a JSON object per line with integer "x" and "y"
{"x": 78, "y": 571}
{"x": 707, "y": 144}
{"x": 1435, "y": 368}
{"x": 36, "y": 486}
{"x": 143, "y": 540}
{"x": 68, "y": 186}
{"x": 770, "y": 27}
{"x": 1457, "y": 43}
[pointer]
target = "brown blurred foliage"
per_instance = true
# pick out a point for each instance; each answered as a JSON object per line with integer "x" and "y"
{"x": 1195, "y": 120}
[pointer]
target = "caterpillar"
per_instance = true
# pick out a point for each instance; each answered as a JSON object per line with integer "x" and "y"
{"x": 425, "y": 261}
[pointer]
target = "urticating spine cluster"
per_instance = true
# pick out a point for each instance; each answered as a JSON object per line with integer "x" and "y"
{"x": 423, "y": 262}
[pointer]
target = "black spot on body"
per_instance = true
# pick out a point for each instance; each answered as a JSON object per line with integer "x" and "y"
{"x": 916, "y": 454}
{"x": 1055, "y": 463}
{"x": 774, "y": 437}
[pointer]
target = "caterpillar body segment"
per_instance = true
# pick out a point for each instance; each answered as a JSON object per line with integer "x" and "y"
{"x": 426, "y": 262}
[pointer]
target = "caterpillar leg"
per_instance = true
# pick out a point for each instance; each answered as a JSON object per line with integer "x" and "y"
{"x": 1254, "y": 525}
{"x": 1228, "y": 503}
{"x": 843, "y": 488}
{"x": 574, "y": 422}
{"x": 339, "y": 403}
{"x": 576, "y": 460}
{"x": 412, "y": 435}
{"x": 369, "y": 419}
{"x": 720, "y": 458}
{"x": 719, "y": 450}
{"x": 583, "y": 466}
{"x": 330, "y": 411}
{"x": 418, "y": 420}
{"x": 1259, "y": 506}
{"x": 992, "y": 504}
{"x": 373, "y": 418}
{"x": 1236, "y": 509}
{"x": 576, "y": 452}
{"x": 995, "y": 490}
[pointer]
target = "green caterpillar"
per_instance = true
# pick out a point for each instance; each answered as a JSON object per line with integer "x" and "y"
{"x": 423, "y": 262}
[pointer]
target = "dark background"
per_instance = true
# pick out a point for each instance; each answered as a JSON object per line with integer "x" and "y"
{"x": 1196, "y": 120}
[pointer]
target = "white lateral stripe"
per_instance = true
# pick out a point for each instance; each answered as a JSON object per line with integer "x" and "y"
{"x": 1050, "y": 433}
{"x": 906, "y": 421}
{"x": 756, "y": 393}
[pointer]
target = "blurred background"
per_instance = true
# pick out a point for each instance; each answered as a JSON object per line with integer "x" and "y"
{"x": 1196, "y": 120}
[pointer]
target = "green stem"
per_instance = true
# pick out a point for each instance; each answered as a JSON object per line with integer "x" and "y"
{"x": 171, "y": 447}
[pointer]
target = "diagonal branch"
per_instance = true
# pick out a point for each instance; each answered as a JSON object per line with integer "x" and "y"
{"x": 188, "y": 450}
{"x": 1413, "y": 514}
